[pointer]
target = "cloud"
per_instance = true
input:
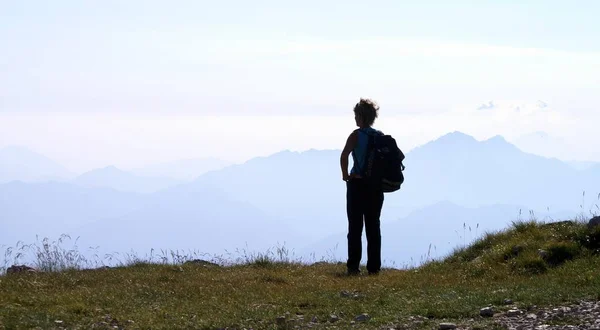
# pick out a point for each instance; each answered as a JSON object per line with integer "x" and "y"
{"x": 487, "y": 106}
{"x": 541, "y": 104}
{"x": 515, "y": 107}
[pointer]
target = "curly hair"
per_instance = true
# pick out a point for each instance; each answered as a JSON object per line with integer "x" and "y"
{"x": 367, "y": 110}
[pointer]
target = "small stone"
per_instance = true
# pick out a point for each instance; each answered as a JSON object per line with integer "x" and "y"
{"x": 531, "y": 317}
{"x": 513, "y": 312}
{"x": 486, "y": 312}
{"x": 58, "y": 322}
{"x": 508, "y": 301}
{"x": 447, "y": 326}
{"x": 333, "y": 318}
{"x": 281, "y": 320}
{"x": 543, "y": 253}
{"x": 362, "y": 317}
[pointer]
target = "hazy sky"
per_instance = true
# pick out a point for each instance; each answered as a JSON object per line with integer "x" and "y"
{"x": 129, "y": 82}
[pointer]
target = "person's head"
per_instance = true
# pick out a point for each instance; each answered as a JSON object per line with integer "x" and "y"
{"x": 365, "y": 112}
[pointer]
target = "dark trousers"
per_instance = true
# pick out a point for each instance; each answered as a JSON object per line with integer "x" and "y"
{"x": 363, "y": 203}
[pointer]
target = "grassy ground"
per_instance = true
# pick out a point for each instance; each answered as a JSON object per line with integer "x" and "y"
{"x": 254, "y": 295}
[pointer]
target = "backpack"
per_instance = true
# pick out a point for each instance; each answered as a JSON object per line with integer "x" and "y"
{"x": 383, "y": 163}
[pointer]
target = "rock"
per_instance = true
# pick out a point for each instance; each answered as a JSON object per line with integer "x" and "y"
{"x": 362, "y": 318}
{"x": 447, "y": 326}
{"x": 486, "y": 312}
{"x": 531, "y": 317}
{"x": 513, "y": 312}
{"x": 353, "y": 294}
{"x": 508, "y": 302}
{"x": 543, "y": 253}
{"x": 20, "y": 269}
{"x": 333, "y": 318}
{"x": 594, "y": 222}
{"x": 280, "y": 320}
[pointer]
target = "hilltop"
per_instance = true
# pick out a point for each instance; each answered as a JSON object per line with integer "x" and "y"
{"x": 523, "y": 273}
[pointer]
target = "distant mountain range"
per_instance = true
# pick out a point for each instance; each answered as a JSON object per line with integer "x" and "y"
{"x": 299, "y": 198}
{"x": 460, "y": 169}
{"x": 306, "y": 188}
{"x": 22, "y": 164}
{"x": 54, "y": 208}
{"x": 182, "y": 170}
{"x": 112, "y": 177}
{"x": 189, "y": 218}
{"x": 18, "y": 163}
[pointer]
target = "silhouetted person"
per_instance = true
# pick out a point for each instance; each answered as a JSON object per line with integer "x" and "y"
{"x": 363, "y": 201}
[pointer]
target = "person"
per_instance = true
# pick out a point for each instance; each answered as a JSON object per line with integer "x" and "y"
{"x": 363, "y": 201}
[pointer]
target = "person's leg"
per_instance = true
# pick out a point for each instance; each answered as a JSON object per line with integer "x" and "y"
{"x": 354, "y": 210}
{"x": 372, "y": 229}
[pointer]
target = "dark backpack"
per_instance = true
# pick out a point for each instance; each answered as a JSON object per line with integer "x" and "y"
{"x": 383, "y": 162}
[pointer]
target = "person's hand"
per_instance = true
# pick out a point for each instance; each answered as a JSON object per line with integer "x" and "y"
{"x": 346, "y": 177}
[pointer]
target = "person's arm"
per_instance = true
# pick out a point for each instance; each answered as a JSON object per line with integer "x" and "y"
{"x": 350, "y": 144}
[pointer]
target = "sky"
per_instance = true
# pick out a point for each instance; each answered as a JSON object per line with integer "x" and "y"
{"x": 128, "y": 83}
